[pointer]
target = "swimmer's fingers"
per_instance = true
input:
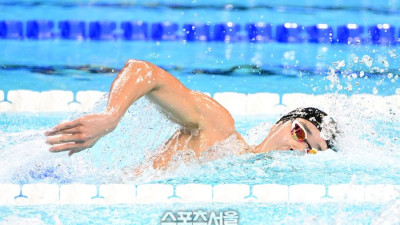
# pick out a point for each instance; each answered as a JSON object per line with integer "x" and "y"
{"x": 62, "y": 127}
{"x": 64, "y": 139}
{"x": 74, "y": 151}
{"x": 74, "y": 130}
{"x": 68, "y": 147}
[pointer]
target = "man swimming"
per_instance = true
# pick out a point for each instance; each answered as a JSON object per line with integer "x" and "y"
{"x": 204, "y": 122}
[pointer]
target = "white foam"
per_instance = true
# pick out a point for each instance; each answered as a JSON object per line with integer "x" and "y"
{"x": 16, "y": 220}
{"x": 55, "y": 101}
{"x": 194, "y": 192}
{"x": 230, "y": 192}
{"x": 370, "y": 103}
{"x": 394, "y": 102}
{"x": 271, "y": 192}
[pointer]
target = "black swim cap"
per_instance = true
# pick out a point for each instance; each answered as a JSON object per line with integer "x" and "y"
{"x": 315, "y": 116}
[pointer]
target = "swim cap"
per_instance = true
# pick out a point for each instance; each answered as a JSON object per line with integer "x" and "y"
{"x": 325, "y": 124}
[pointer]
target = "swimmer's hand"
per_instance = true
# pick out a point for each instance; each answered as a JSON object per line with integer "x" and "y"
{"x": 80, "y": 134}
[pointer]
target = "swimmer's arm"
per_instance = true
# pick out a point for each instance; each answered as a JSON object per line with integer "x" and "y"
{"x": 140, "y": 78}
{"x": 136, "y": 79}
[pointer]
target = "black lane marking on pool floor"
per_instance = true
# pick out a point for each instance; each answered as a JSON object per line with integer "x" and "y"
{"x": 65, "y": 70}
{"x": 196, "y": 6}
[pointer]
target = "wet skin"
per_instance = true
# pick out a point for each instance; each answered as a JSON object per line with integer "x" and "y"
{"x": 204, "y": 122}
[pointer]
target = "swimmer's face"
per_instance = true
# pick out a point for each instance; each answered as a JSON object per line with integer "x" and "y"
{"x": 280, "y": 137}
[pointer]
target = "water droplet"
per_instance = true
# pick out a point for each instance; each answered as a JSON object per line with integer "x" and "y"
{"x": 375, "y": 91}
{"x": 355, "y": 59}
{"x": 385, "y": 63}
{"x": 366, "y": 60}
{"x": 349, "y": 87}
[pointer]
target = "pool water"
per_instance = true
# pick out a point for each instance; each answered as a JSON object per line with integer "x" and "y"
{"x": 368, "y": 145}
{"x": 289, "y": 213}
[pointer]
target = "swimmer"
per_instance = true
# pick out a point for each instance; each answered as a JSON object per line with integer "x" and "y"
{"x": 203, "y": 121}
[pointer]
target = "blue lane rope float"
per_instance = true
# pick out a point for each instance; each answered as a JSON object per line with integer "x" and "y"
{"x": 320, "y": 33}
{"x": 384, "y": 34}
{"x": 11, "y": 29}
{"x": 71, "y": 29}
{"x": 134, "y": 30}
{"x": 39, "y": 29}
{"x": 226, "y": 32}
{"x": 196, "y": 32}
{"x": 259, "y": 32}
{"x": 102, "y": 30}
{"x": 165, "y": 31}
{"x": 350, "y": 34}
{"x": 289, "y": 32}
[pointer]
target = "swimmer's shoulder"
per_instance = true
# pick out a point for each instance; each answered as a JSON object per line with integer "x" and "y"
{"x": 214, "y": 115}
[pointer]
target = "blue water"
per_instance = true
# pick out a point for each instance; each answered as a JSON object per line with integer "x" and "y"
{"x": 249, "y": 213}
{"x": 207, "y": 67}
{"x": 369, "y": 149}
{"x": 305, "y": 12}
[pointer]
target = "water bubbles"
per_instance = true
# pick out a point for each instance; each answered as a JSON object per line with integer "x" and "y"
{"x": 355, "y": 58}
{"x": 354, "y": 75}
{"x": 374, "y": 91}
{"x": 349, "y": 87}
{"x": 289, "y": 55}
{"x": 339, "y": 64}
{"x": 385, "y": 63}
{"x": 366, "y": 60}
{"x": 390, "y": 75}
{"x": 392, "y": 53}
{"x": 361, "y": 73}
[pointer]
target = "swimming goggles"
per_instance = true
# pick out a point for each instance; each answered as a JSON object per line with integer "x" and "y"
{"x": 300, "y": 135}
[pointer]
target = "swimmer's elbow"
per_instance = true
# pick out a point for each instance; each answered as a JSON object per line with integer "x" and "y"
{"x": 148, "y": 70}
{"x": 135, "y": 64}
